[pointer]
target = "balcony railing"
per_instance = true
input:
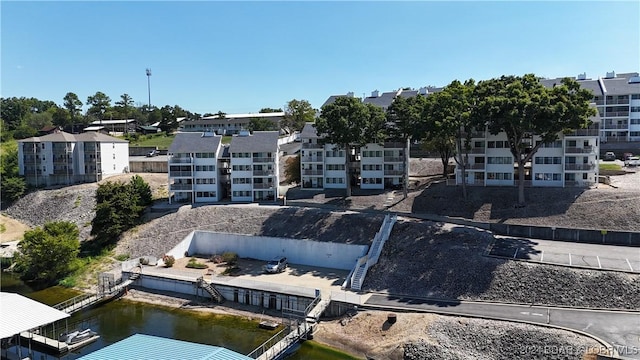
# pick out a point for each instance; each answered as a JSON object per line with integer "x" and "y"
{"x": 183, "y": 187}
{"x": 615, "y": 138}
{"x": 583, "y": 183}
{"x": 263, "y": 185}
{"x": 615, "y": 113}
{"x": 477, "y": 166}
{"x": 312, "y": 146}
{"x": 615, "y": 126}
{"x": 263, "y": 172}
{"x": 393, "y": 158}
{"x": 579, "y": 166}
{"x": 180, "y": 160}
{"x": 618, "y": 102}
{"x": 578, "y": 150}
{"x": 263, "y": 159}
{"x": 312, "y": 159}
{"x": 394, "y": 172}
{"x": 312, "y": 172}
{"x": 177, "y": 173}
{"x": 599, "y": 102}
{"x": 584, "y": 132}
{"x": 479, "y": 150}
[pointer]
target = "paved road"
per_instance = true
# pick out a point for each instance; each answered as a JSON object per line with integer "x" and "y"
{"x": 620, "y": 329}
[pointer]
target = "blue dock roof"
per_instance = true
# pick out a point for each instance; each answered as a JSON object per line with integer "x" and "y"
{"x": 140, "y": 347}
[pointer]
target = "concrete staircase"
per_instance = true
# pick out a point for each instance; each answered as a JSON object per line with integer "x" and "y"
{"x": 365, "y": 262}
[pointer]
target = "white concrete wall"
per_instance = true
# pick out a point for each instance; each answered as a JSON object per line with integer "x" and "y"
{"x": 303, "y": 252}
{"x": 111, "y": 165}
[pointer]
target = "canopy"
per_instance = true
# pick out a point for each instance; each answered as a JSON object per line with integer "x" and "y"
{"x": 19, "y": 313}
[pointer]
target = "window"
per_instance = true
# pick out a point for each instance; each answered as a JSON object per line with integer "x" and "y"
{"x": 491, "y": 144}
{"x": 548, "y": 177}
{"x": 334, "y": 167}
{"x": 372, "y": 167}
{"x": 206, "y": 194}
{"x": 242, "y": 193}
{"x": 499, "y": 176}
{"x": 205, "y": 155}
{"x": 206, "y": 181}
{"x": 635, "y": 109}
{"x": 242, "y": 180}
{"x": 548, "y": 160}
{"x": 499, "y": 160}
{"x": 372, "y": 181}
{"x": 241, "y": 167}
{"x": 205, "y": 168}
{"x": 241, "y": 155}
{"x": 334, "y": 180}
{"x": 114, "y": 156}
{"x": 635, "y": 96}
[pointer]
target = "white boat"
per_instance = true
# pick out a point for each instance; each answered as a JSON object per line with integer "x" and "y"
{"x": 77, "y": 336}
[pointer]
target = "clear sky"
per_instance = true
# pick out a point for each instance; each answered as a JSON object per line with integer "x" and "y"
{"x": 210, "y": 56}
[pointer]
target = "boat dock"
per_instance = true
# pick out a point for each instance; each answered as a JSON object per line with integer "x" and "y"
{"x": 55, "y": 345}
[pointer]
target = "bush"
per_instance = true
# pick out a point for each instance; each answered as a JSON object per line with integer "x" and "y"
{"x": 194, "y": 264}
{"x": 216, "y": 259}
{"x": 123, "y": 257}
{"x": 145, "y": 261}
{"x": 168, "y": 260}
{"x": 230, "y": 258}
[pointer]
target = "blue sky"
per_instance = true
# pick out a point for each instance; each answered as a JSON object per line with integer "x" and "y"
{"x": 209, "y": 56}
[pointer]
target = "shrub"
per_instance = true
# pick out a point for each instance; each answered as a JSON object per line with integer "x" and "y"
{"x": 230, "y": 258}
{"x": 194, "y": 264}
{"x": 216, "y": 259}
{"x": 123, "y": 257}
{"x": 168, "y": 260}
{"x": 145, "y": 261}
{"x": 230, "y": 270}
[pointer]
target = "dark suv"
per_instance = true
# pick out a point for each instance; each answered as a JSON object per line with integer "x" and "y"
{"x": 278, "y": 264}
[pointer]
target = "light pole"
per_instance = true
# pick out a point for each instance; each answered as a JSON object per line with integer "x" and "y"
{"x": 149, "y": 86}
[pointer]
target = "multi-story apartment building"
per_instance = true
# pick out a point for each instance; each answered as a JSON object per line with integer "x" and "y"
{"x": 569, "y": 161}
{"x": 230, "y": 124}
{"x": 373, "y": 166}
{"x": 254, "y": 166}
{"x": 63, "y": 159}
{"x": 194, "y": 168}
{"x": 202, "y": 169}
{"x": 617, "y": 98}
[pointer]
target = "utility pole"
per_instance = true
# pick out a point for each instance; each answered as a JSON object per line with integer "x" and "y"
{"x": 149, "y": 86}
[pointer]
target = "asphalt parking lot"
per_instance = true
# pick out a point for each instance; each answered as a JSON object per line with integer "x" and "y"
{"x": 591, "y": 256}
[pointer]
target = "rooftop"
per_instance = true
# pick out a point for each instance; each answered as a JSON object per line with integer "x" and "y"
{"x": 259, "y": 141}
{"x": 19, "y": 313}
{"x": 191, "y": 142}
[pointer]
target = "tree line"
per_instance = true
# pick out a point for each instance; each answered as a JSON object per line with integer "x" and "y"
{"x": 519, "y": 106}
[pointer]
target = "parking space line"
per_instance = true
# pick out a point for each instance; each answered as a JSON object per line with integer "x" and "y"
{"x": 542, "y": 256}
{"x": 628, "y": 263}
{"x": 599, "y": 265}
{"x": 516, "y": 253}
{"x": 570, "y": 259}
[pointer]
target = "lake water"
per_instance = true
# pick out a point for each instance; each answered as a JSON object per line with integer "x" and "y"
{"x": 119, "y": 319}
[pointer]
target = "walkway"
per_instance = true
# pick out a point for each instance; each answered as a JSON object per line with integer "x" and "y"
{"x": 621, "y": 329}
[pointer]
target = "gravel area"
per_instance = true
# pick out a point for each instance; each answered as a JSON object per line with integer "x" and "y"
{"x": 470, "y": 339}
{"x": 429, "y": 259}
{"x": 160, "y": 235}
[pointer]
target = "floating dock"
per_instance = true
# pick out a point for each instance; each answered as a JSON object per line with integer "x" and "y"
{"x": 55, "y": 345}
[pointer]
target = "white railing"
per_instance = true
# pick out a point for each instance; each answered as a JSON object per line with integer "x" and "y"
{"x": 365, "y": 262}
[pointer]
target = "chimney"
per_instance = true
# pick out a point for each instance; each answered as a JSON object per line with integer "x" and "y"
{"x": 350, "y": 94}
{"x": 610, "y": 75}
{"x": 423, "y": 91}
{"x": 374, "y": 94}
{"x": 582, "y": 76}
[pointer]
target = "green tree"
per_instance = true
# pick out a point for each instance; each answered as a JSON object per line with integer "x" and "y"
{"x": 37, "y": 121}
{"x": 142, "y": 190}
{"x": 348, "y": 123}
{"x": 262, "y": 124}
{"x": 404, "y": 122}
{"x": 448, "y": 120}
{"x": 292, "y": 170}
{"x": 12, "y": 185}
{"x": 24, "y": 131}
{"x": 61, "y": 117}
{"x": 297, "y": 113}
{"x": 124, "y": 106}
{"x": 99, "y": 104}
{"x": 523, "y": 109}
{"x": 47, "y": 254}
{"x": 72, "y": 103}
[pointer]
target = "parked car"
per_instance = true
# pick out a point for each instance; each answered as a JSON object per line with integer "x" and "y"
{"x": 626, "y": 156}
{"x": 278, "y": 264}
{"x": 610, "y": 156}
{"x": 153, "y": 153}
{"x": 632, "y": 161}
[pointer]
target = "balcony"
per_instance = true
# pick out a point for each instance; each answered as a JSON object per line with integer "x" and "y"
{"x": 263, "y": 185}
{"x": 614, "y": 113}
{"x": 618, "y": 102}
{"x": 181, "y": 187}
{"x": 479, "y": 150}
{"x": 263, "y": 159}
{"x": 263, "y": 172}
{"x": 180, "y": 160}
{"x": 177, "y": 173}
{"x": 583, "y": 132}
{"x": 616, "y": 126}
{"x": 312, "y": 172}
{"x": 311, "y": 159}
{"x": 477, "y": 166}
{"x": 394, "y": 172}
{"x": 312, "y": 146}
{"x": 578, "y": 167}
{"x": 394, "y": 159}
{"x": 578, "y": 150}
{"x": 615, "y": 138}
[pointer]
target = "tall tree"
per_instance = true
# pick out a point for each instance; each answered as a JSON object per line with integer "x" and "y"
{"x": 292, "y": 173}
{"x": 269, "y": 110}
{"x": 262, "y": 124}
{"x": 297, "y": 113}
{"x": 448, "y": 121}
{"x": 99, "y": 104}
{"x": 404, "y": 119}
{"x": 348, "y": 123}
{"x": 523, "y": 109}
{"x": 73, "y": 105}
{"x": 125, "y": 105}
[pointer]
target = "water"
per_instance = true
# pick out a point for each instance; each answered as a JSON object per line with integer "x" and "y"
{"x": 119, "y": 319}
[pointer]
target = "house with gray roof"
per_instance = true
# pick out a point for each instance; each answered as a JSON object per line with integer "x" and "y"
{"x": 193, "y": 163}
{"x": 229, "y": 124}
{"x": 254, "y": 166}
{"x": 61, "y": 158}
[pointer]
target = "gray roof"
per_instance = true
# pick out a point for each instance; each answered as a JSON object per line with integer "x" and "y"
{"x": 331, "y": 99}
{"x": 592, "y": 85}
{"x": 383, "y": 101}
{"x": 66, "y": 137}
{"x": 191, "y": 142}
{"x": 620, "y": 86}
{"x": 408, "y": 93}
{"x": 259, "y": 141}
{"x": 309, "y": 131}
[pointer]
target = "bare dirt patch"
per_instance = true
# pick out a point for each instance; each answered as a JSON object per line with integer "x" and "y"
{"x": 13, "y": 229}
